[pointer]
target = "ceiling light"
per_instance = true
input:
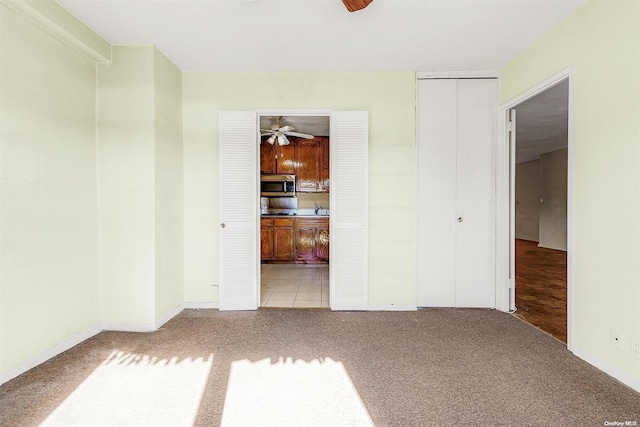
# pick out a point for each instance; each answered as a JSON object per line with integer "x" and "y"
{"x": 271, "y": 139}
{"x": 282, "y": 140}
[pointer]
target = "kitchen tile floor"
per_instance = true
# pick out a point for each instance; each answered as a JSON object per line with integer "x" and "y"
{"x": 294, "y": 285}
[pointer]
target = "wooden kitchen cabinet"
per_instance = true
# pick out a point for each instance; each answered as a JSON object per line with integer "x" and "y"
{"x": 322, "y": 241}
{"x": 307, "y": 162}
{"x": 312, "y": 164}
{"x": 324, "y": 165}
{"x": 305, "y": 241}
{"x": 307, "y": 159}
{"x": 312, "y": 239}
{"x": 266, "y": 243}
{"x": 300, "y": 240}
{"x": 266, "y": 239}
{"x": 276, "y": 239}
{"x": 283, "y": 239}
{"x": 277, "y": 158}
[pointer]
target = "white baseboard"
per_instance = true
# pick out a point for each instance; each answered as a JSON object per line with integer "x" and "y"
{"x": 129, "y": 327}
{"x": 50, "y": 353}
{"x": 391, "y": 307}
{"x": 201, "y": 305}
{"x": 90, "y": 332}
{"x": 617, "y": 373}
{"x": 170, "y": 315}
{"x": 143, "y": 326}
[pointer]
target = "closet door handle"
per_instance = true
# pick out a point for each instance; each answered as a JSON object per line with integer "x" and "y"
{"x": 460, "y": 219}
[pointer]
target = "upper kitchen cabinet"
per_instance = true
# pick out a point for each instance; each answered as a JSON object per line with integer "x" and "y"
{"x": 312, "y": 164}
{"x": 307, "y": 159}
{"x": 277, "y": 158}
{"x": 324, "y": 165}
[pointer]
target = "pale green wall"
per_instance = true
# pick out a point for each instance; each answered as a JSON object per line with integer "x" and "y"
{"x": 602, "y": 41}
{"x": 49, "y": 247}
{"x": 390, "y": 100}
{"x": 168, "y": 185}
{"x": 126, "y": 176}
{"x": 553, "y": 192}
{"x": 61, "y": 24}
{"x": 140, "y": 186}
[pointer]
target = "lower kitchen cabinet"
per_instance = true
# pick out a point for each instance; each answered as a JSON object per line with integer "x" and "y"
{"x": 283, "y": 243}
{"x": 266, "y": 241}
{"x": 276, "y": 239}
{"x": 312, "y": 239}
{"x": 302, "y": 240}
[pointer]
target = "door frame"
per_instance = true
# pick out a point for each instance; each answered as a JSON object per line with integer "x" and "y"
{"x": 505, "y": 202}
{"x": 289, "y": 112}
{"x": 349, "y": 220}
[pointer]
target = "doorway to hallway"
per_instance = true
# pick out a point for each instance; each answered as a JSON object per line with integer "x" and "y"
{"x": 540, "y": 209}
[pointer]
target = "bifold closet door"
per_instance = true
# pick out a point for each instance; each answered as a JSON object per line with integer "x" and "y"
{"x": 475, "y": 193}
{"x": 436, "y": 250}
{"x": 456, "y": 239}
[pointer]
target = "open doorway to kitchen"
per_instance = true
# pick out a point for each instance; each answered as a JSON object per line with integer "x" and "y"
{"x": 540, "y": 211}
{"x": 294, "y": 210}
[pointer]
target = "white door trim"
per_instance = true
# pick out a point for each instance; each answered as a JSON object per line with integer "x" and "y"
{"x": 505, "y": 209}
{"x": 420, "y": 75}
{"x": 294, "y": 112}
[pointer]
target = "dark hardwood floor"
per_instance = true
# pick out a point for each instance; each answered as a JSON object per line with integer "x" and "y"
{"x": 541, "y": 288}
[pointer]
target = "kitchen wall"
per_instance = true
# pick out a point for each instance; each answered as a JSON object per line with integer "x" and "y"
{"x": 308, "y": 200}
{"x": 390, "y": 100}
{"x": 528, "y": 200}
{"x": 49, "y": 284}
{"x": 601, "y": 40}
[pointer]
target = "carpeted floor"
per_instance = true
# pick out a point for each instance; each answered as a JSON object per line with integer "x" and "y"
{"x": 308, "y": 367}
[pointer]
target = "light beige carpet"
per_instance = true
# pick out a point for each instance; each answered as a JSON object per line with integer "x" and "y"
{"x": 314, "y": 367}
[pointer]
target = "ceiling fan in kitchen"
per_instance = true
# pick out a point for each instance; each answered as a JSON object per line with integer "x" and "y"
{"x": 280, "y": 133}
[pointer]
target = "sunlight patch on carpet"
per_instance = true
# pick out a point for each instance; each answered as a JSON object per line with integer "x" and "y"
{"x": 288, "y": 393}
{"x": 136, "y": 390}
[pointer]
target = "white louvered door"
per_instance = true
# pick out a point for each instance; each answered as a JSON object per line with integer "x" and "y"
{"x": 238, "y": 211}
{"x": 349, "y": 210}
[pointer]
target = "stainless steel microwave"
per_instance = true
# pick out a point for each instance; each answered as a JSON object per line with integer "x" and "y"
{"x": 277, "y": 185}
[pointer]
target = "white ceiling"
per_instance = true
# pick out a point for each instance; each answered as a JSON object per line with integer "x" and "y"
{"x": 542, "y": 123}
{"x": 321, "y": 35}
{"x": 314, "y": 125}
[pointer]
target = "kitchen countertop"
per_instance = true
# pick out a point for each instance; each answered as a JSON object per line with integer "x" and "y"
{"x": 298, "y": 213}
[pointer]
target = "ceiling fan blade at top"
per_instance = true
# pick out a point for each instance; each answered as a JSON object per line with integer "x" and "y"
{"x": 286, "y": 128}
{"x": 354, "y": 5}
{"x": 300, "y": 135}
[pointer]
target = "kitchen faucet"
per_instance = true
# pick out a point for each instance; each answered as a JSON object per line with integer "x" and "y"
{"x": 318, "y": 207}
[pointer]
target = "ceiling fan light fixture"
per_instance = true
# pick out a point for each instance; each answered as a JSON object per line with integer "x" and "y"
{"x": 272, "y": 139}
{"x": 282, "y": 140}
